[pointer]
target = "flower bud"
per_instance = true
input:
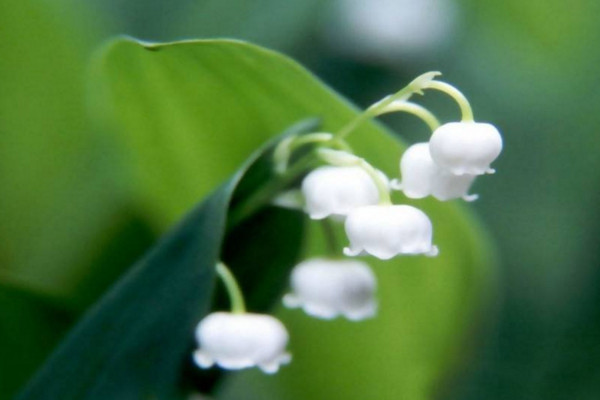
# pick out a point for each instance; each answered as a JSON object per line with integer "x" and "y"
{"x": 236, "y": 341}
{"x": 465, "y": 147}
{"x": 385, "y": 231}
{"x": 332, "y": 190}
{"x": 421, "y": 177}
{"x": 328, "y": 288}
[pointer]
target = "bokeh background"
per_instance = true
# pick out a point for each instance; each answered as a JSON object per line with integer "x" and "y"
{"x": 529, "y": 67}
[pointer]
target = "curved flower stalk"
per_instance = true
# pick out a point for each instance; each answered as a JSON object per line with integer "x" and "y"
{"x": 237, "y": 339}
{"x": 465, "y": 147}
{"x": 326, "y": 288}
{"x": 415, "y": 109}
{"x": 388, "y": 231}
{"x": 417, "y": 85}
{"x": 284, "y": 150}
{"x": 456, "y": 153}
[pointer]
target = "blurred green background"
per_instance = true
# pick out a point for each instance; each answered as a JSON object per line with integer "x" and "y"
{"x": 528, "y": 67}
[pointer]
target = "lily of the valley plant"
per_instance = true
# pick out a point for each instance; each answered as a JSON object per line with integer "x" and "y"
{"x": 345, "y": 188}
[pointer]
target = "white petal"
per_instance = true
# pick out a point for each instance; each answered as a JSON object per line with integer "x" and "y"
{"x": 417, "y": 170}
{"x": 290, "y": 300}
{"x": 433, "y": 252}
{"x": 337, "y": 190}
{"x": 358, "y": 314}
{"x": 320, "y": 311}
{"x": 446, "y": 186}
{"x": 353, "y": 251}
{"x": 465, "y": 147}
{"x": 273, "y": 366}
{"x": 202, "y": 359}
{"x": 387, "y": 231}
{"x": 470, "y": 197}
{"x": 236, "y": 341}
{"x": 329, "y": 288}
{"x": 269, "y": 368}
{"x": 422, "y": 177}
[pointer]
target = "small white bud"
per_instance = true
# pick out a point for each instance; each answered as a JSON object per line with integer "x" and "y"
{"x": 328, "y": 288}
{"x": 465, "y": 147}
{"x": 337, "y": 191}
{"x": 236, "y": 341}
{"x": 421, "y": 177}
{"x": 386, "y": 231}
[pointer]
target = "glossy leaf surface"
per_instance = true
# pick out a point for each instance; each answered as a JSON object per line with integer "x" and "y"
{"x": 186, "y": 115}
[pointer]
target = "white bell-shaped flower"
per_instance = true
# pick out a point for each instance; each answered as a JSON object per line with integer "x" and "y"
{"x": 336, "y": 191}
{"x": 422, "y": 177}
{"x": 385, "y": 231}
{"x": 465, "y": 147}
{"x": 236, "y": 341}
{"x": 328, "y": 288}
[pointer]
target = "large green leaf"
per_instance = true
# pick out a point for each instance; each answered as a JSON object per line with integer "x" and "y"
{"x": 136, "y": 342}
{"x": 58, "y": 206}
{"x": 30, "y": 326}
{"x": 185, "y": 115}
{"x": 55, "y": 178}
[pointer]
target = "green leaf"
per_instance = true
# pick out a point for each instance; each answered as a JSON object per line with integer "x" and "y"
{"x": 30, "y": 326}
{"x": 55, "y": 174}
{"x": 185, "y": 115}
{"x": 423, "y": 333}
{"x": 133, "y": 343}
{"x": 58, "y": 205}
{"x": 136, "y": 342}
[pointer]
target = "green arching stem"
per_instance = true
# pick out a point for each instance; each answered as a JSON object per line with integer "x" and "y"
{"x": 336, "y": 142}
{"x": 415, "y": 86}
{"x": 372, "y": 112}
{"x": 329, "y": 233}
{"x": 395, "y": 102}
{"x": 286, "y": 147}
{"x": 317, "y": 137}
{"x": 236, "y": 298}
{"x": 463, "y": 103}
{"x": 267, "y": 192}
{"x": 380, "y": 183}
{"x": 415, "y": 109}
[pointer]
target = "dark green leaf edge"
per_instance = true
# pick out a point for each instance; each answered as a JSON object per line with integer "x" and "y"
{"x": 119, "y": 350}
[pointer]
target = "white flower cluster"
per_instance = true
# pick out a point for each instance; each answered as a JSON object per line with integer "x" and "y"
{"x": 351, "y": 191}
{"x": 447, "y": 165}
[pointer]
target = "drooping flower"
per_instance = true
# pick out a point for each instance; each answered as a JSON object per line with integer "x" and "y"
{"x": 237, "y": 341}
{"x": 336, "y": 191}
{"x": 385, "y": 231}
{"x": 422, "y": 177}
{"x": 327, "y": 288}
{"x": 465, "y": 147}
